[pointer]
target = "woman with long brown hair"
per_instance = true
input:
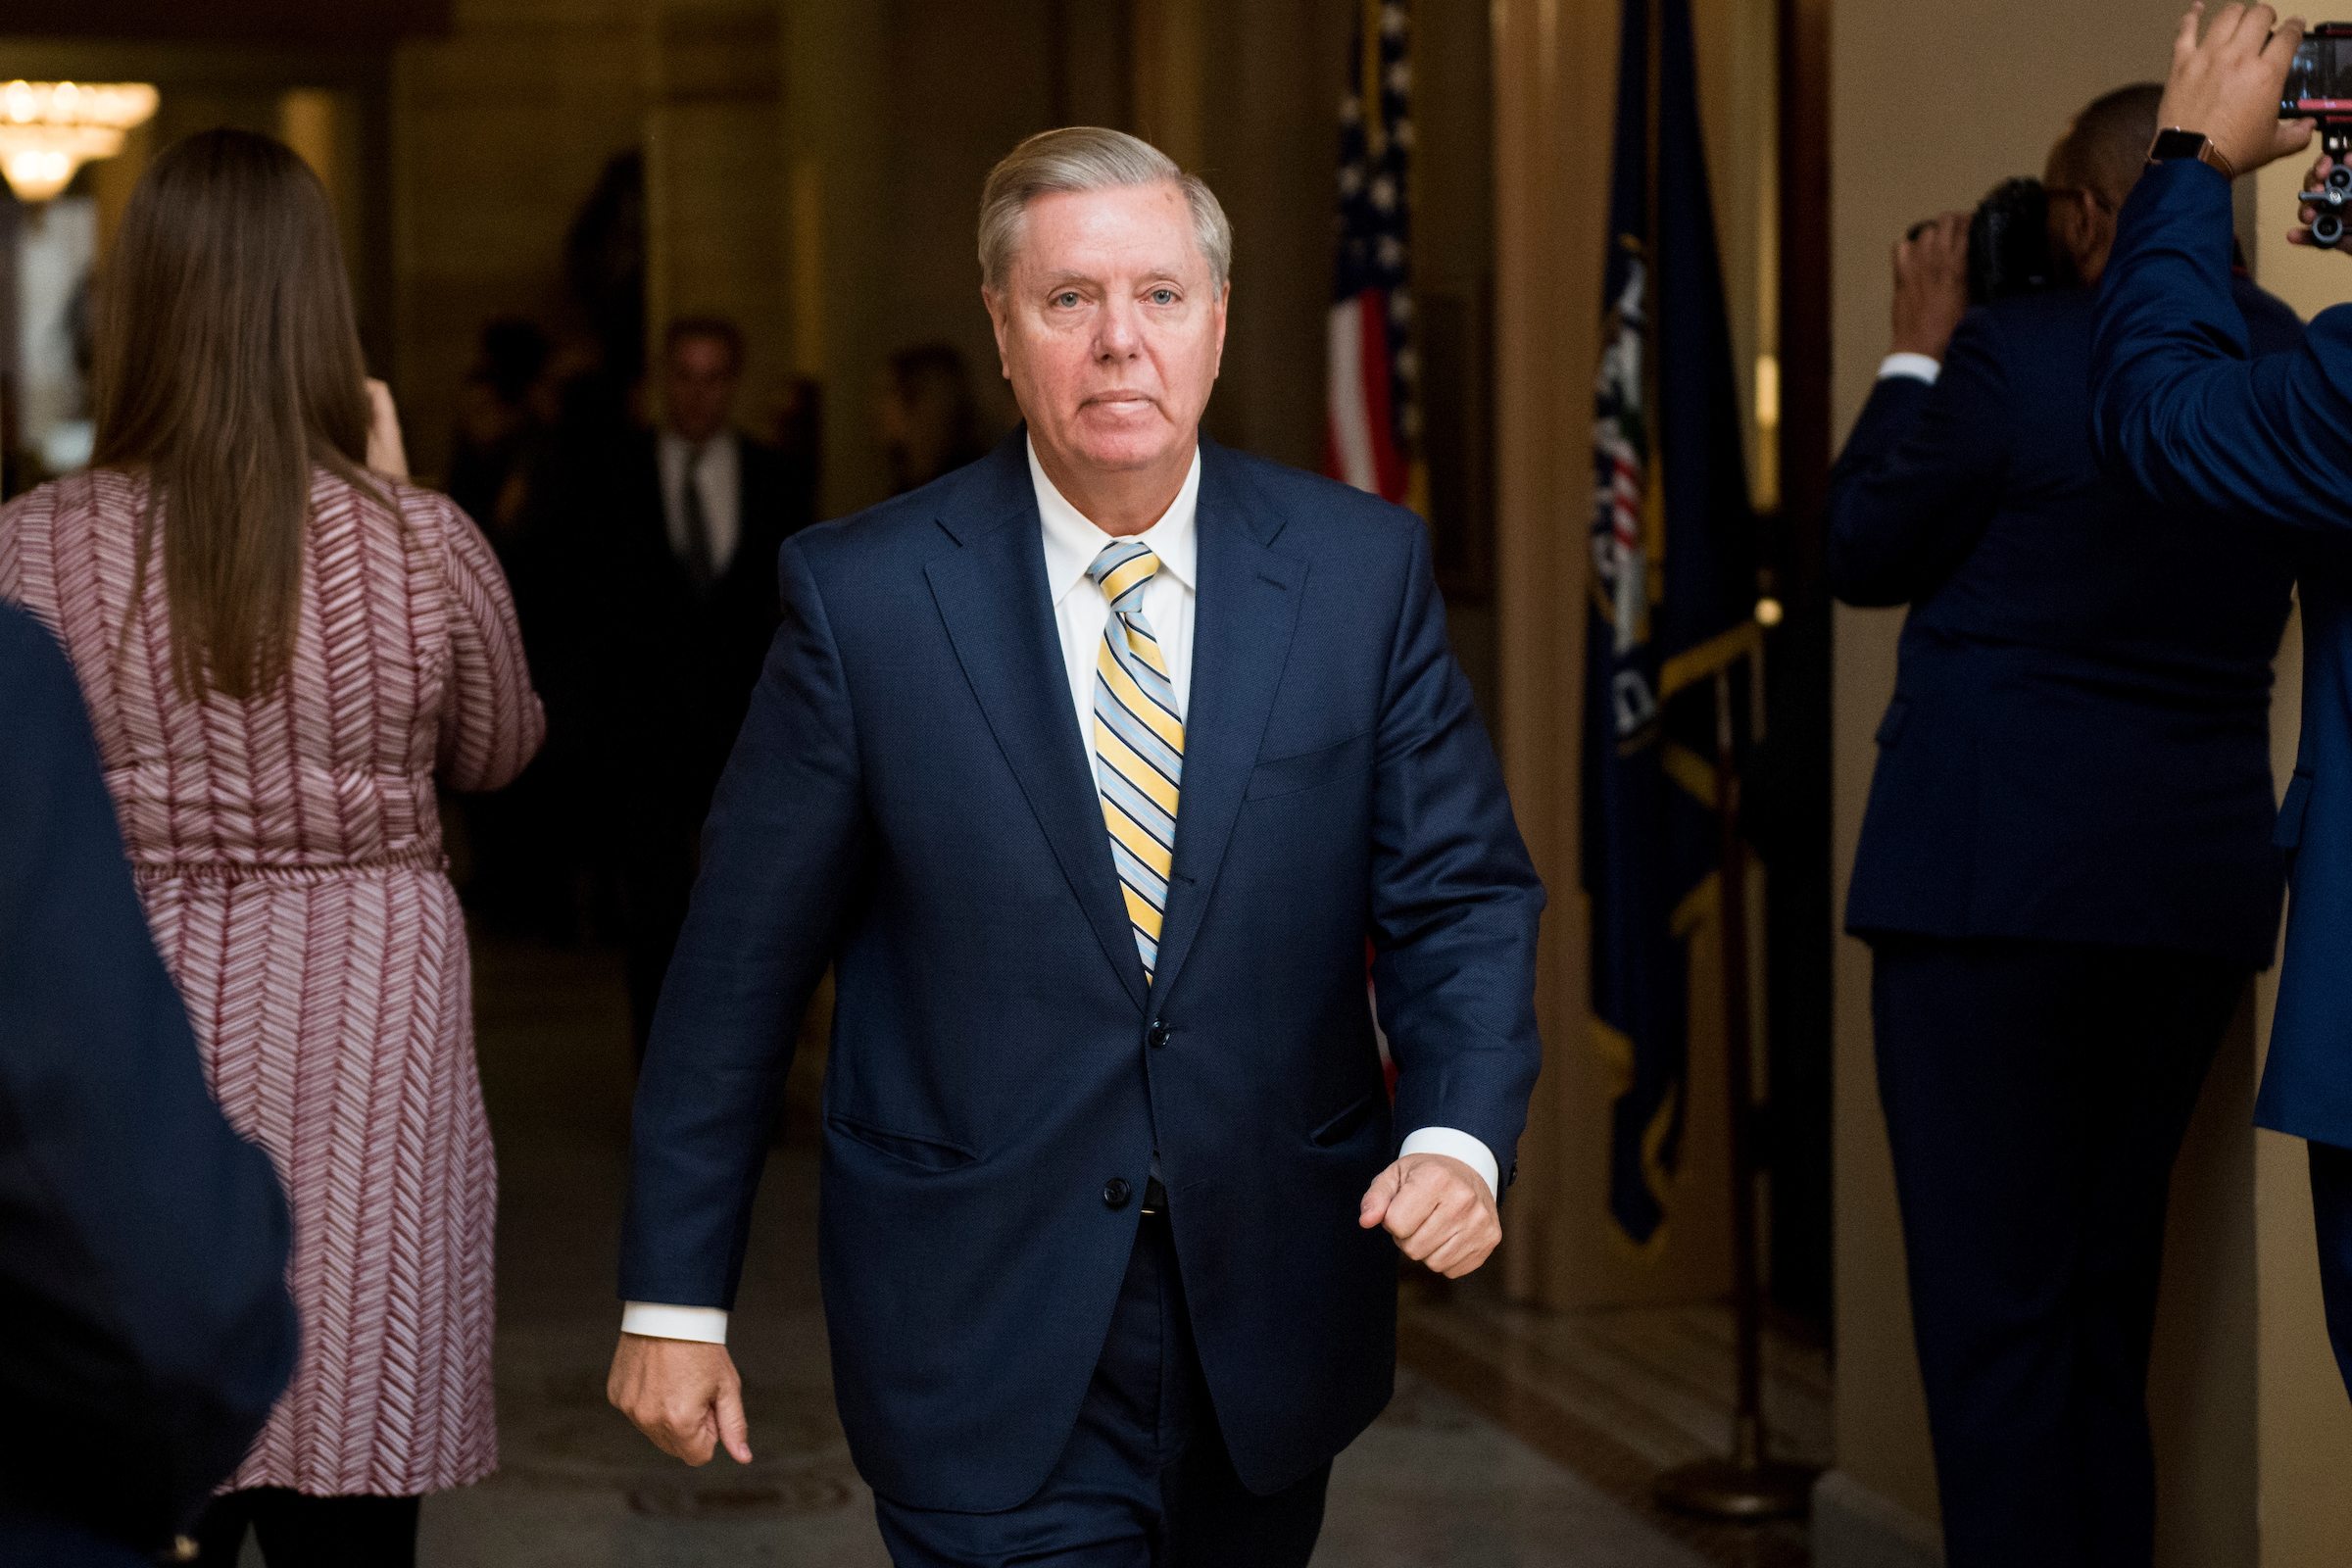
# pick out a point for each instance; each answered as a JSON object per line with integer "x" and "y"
{"x": 282, "y": 649}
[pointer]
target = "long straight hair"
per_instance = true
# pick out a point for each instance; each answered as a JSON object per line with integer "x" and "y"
{"x": 228, "y": 368}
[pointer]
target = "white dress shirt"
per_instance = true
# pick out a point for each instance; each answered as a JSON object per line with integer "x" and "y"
{"x": 1080, "y": 614}
{"x": 719, "y": 480}
{"x": 1917, "y": 366}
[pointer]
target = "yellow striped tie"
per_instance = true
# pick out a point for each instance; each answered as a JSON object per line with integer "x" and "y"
{"x": 1139, "y": 742}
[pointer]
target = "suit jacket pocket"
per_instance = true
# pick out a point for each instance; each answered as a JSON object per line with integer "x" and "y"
{"x": 924, "y": 1153}
{"x": 1345, "y": 1125}
{"x": 1288, "y": 775}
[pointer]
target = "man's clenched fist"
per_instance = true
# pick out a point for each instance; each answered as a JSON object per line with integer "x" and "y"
{"x": 1438, "y": 1209}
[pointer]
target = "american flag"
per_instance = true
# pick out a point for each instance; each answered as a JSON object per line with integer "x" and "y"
{"x": 1373, "y": 438}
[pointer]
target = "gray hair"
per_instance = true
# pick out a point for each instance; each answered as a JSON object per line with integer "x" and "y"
{"x": 1084, "y": 158}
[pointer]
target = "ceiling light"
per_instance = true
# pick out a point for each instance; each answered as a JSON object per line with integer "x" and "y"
{"x": 48, "y": 129}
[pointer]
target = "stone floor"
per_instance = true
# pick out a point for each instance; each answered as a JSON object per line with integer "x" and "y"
{"x": 1516, "y": 1437}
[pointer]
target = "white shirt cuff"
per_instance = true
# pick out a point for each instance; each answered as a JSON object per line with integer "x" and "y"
{"x": 1917, "y": 366}
{"x": 655, "y": 1321}
{"x": 1462, "y": 1147}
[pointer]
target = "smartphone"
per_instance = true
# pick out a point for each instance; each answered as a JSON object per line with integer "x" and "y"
{"x": 2320, "y": 82}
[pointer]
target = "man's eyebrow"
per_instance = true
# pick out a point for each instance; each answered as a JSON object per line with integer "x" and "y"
{"x": 1053, "y": 282}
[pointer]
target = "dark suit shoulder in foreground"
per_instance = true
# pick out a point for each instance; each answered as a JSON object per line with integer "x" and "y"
{"x": 144, "y": 1323}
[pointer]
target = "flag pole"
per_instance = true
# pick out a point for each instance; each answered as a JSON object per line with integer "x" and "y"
{"x": 1750, "y": 1485}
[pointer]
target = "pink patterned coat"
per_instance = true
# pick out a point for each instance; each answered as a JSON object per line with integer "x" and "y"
{"x": 289, "y": 856}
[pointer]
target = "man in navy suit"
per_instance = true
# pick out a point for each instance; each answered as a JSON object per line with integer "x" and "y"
{"x": 1090, "y": 767}
{"x": 144, "y": 1322}
{"x": 2182, "y": 410}
{"x": 2065, "y": 871}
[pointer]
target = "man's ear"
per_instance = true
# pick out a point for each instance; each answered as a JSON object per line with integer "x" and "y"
{"x": 1224, "y": 314}
{"x": 994, "y": 300}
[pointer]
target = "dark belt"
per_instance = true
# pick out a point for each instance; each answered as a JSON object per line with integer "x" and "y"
{"x": 1156, "y": 1196}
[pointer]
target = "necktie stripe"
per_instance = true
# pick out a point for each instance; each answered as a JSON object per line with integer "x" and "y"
{"x": 1138, "y": 775}
{"x": 1145, "y": 743}
{"x": 1127, "y": 580}
{"x": 1127, "y": 635}
{"x": 1132, "y": 837}
{"x": 1159, "y": 742}
{"x": 1144, "y": 917}
{"x": 1139, "y": 742}
{"x": 1149, "y": 678}
{"x": 1152, "y": 885}
{"x": 1157, "y": 829}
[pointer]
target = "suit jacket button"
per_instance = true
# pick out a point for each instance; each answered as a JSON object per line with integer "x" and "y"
{"x": 1156, "y": 1035}
{"x": 1116, "y": 1191}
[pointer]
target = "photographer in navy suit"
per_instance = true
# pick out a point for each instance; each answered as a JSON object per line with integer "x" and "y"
{"x": 2186, "y": 413}
{"x": 2065, "y": 872}
{"x": 144, "y": 1322}
{"x": 1090, "y": 767}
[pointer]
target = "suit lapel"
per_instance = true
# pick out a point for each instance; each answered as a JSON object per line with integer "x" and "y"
{"x": 1247, "y": 609}
{"x": 992, "y": 594}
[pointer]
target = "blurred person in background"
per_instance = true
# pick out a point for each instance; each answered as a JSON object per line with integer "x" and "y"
{"x": 144, "y": 1323}
{"x": 515, "y": 838}
{"x": 2065, "y": 871}
{"x": 929, "y": 424}
{"x": 282, "y": 646}
{"x": 691, "y": 594}
{"x": 497, "y": 428}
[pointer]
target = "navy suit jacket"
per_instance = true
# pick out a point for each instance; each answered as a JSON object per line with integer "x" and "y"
{"x": 2181, "y": 411}
{"x": 144, "y": 1322}
{"x": 679, "y": 666}
{"x": 911, "y": 801}
{"x": 2079, "y": 744}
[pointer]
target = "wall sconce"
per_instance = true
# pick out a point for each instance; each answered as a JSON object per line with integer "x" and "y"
{"x": 48, "y": 129}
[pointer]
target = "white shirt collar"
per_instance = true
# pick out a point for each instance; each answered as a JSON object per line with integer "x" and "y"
{"x": 1072, "y": 542}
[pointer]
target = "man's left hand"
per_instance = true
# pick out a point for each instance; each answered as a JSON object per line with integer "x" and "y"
{"x": 1930, "y": 285}
{"x": 2226, "y": 86}
{"x": 1438, "y": 1209}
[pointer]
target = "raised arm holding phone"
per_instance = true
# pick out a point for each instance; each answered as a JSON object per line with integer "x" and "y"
{"x": 2181, "y": 411}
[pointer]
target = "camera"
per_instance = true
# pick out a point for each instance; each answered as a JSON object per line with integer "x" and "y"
{"x": 2319, "y": 86}
{"x": 2009, "y": 243}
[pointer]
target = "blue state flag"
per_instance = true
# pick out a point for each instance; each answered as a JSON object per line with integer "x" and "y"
{"x": 1674, "y": 587}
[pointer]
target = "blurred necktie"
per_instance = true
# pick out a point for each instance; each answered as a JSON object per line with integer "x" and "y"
{"x": 696, "y": 558}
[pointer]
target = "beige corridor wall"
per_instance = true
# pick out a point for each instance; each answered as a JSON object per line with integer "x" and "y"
{"x": 2254, "y": 1434}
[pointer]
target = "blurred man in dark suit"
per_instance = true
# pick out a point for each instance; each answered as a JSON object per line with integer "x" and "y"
{"x": 693, "y": 602}
{"x": 2065, "y": 871}
{"x": 144, "y": 1322}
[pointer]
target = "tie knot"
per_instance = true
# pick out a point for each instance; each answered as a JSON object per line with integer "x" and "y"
{"x": 1122, "y": 570}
